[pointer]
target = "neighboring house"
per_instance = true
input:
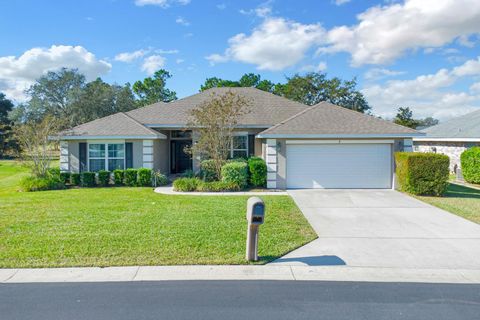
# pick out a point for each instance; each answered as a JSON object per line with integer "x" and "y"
{"x": 323, "y": 146}
{"x": 451, "y": 137}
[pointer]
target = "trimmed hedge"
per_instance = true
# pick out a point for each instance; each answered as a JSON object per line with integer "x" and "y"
{"x": 186, "y": 184}
{"x": 118, "y": 177}
{"x": 87, "y": 179}
{"x": 217, "y": 186}
{"x": 470, "y": 161}
{"x": 130, "y": 177}
{"x": 75, "y": 179}
{"x": 258, "y": 172}
{"x": 144, "y": 177}
{"x": 103, "y": 178}
{"x": 236, "y": 172}
{"x": 422, "y": 173}
{"x": 32, "y": 183}
{"x": 65, "y": 177}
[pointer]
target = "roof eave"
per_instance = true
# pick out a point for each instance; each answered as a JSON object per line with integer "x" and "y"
{"x": 106, "y": 137}
{"x": 427, "y": 138}
{"x": 328, "y": 136}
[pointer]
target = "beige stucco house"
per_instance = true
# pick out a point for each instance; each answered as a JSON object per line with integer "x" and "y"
{"x": 321, "y": 146}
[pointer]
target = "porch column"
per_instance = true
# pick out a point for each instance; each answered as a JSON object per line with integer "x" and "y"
{"x": 408, "y": 145}
{"x": 148, "y": 154}
{"x": 64, "y": 157}
{"x": 271, "y": 159}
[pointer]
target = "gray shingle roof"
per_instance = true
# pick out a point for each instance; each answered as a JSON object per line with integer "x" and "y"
{"x": 266, "y": 108}
{"x": 118, "y": 124}
{"x": 466, "y": 126}
{"x": 326, "y": 119}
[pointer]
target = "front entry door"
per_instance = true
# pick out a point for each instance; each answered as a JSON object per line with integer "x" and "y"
{"x": 180, "y": 161}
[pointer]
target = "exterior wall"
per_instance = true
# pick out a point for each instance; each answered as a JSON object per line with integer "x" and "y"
{"x": 258, "y": 147}
{"x": 137, "y": 146}
{"x": 161, "y": 157}
{"x": 73, "y": 156}
{"x": 281, "y": 159}
{"x": 452, "y": 149}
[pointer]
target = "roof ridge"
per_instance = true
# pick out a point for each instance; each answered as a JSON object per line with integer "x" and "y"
{"x": 138, "y": 123}
{"x": 292, "y": 117}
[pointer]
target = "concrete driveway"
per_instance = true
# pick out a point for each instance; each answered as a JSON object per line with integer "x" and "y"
{"x": 383, "y": 228}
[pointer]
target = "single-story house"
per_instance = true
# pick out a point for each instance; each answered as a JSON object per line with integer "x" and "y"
{"x": 451, "y": 137}
{"x": 320, "y": 146}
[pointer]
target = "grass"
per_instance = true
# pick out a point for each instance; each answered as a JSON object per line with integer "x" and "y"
{"x": 135, "y": 226}
{"x": 459, "y": 200}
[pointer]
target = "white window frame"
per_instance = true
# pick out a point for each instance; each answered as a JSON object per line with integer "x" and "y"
{"x": 106, "y": 158}
{"x": 232, "y": 150}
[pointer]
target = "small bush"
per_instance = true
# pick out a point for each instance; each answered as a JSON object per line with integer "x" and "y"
{"x": 144, "y": 177}
{"x": 87, "y": 179}
{"x": 75, "y": 179}
{"x": 189, "y": 174}
{"x": 118, "y": 177}
{"x": 208, "y": 172}
{"x": 103, "y": 178}
{"x": 32, "y": 183}
{"x": 258, "y": 172}
{"x": 217, "y": 186}
{"x": 54, "y": 172}
{"x": 159, "y": 179}
{"x": 470, "y": 160}
{"x": 130, "y": 177}
{"x": 235, "y": 172}
{"x": 186, "y": 184}
{"x": 422, "y": 173}
{"x": 65, "y": 177}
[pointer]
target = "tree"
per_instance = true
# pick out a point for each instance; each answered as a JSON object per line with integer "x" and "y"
{"x": 247, "y": 80}
{"x": 7, "y": 141}
{"x": 152, "y": 90}
{"x": 215, "y": 120}
{"x": 314, "y": 87}
{"x": 404, "y": 117}
{"x": 36, "y": 145}
{"x": 428, "y": 122}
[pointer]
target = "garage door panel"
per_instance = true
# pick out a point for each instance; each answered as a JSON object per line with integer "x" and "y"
{"x": 339, "y": 166}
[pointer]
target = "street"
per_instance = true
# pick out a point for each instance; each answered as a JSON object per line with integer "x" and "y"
{"x": 238, "y": 300}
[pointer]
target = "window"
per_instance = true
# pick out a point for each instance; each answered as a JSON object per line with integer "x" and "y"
{"x": 239, "y": 147}
{"x": 99, "y": 159}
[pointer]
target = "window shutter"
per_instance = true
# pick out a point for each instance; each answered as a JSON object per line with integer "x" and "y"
{"x": 128, "y": 155}
{"x": 82, "y": 154}
{"x": 251, "y": 145}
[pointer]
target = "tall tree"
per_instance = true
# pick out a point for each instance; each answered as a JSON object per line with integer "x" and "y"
{"x": 8, "y": 143}
{"x": 315, "y": 87}
{"x": 405, "y": 118}
{"x": 6, "y": 107}
{"x": 247, "y": 80}
{"x": 428, "y": 122}
{"x": 153, "y": 89}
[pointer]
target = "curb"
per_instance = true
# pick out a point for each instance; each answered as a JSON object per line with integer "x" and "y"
{"x": 168, "y": 190}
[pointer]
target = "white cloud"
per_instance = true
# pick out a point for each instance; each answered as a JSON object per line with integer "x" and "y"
{"x": 427, "y": 95}
{"x": 380, "y": 73}
{"x": 340, "y": 2}
{"x": 182, "y": 21}
{"x": 160, "y": 3}
{"x": 178, "y": 61}
{"x": 274, "y": 45}
{"x": 322, "y": 66}
{"x": 475, "y": 88}
{"x": 385, "y": 33}
{"x": 153, "y": 63}
{"x": 130, "y": 56}
{"x": 221, "y": 6}
{"x": 263, "y": 10}
{"x": 18, "y": 73}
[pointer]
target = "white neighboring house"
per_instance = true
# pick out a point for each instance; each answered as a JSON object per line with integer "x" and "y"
{"x": 451, "y": 138}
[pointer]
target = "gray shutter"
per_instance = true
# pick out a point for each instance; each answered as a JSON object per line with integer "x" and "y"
{"x": 128, "y": 155}
{"x": 251, "y": 145}
{"x": 82, "y": 155}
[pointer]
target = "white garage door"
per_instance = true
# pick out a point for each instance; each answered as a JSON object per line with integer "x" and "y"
{"x": 339, "y": 166}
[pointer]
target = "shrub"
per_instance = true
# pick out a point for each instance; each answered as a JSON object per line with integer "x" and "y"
{"x": 33, "y": 183}
{"x": 130, "y": 177}
{"x": 235, "y": 172}
{"x": 186, "y": 184}
{"x": 470, "y": 160}
{"x": 75, "y": 179}
{"x": 159, "y": 179}
{"x": 207, "y": 171}
{"x": 54, "y": 172}
{"x": 118, "y": 177}
{"x": 258, "y": 172}
{"x": 87, "y": 179}
{"x": 217, "y": 186}
{"x": 189, "y": 174}
{"x": 422, "y": 173}
{"x": 144, "y": 177}
{"x": 103, "y": 178}
{"x": 65, "y": 177}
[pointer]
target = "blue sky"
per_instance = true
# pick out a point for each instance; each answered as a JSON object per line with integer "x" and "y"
{"x": 418, "y": 53}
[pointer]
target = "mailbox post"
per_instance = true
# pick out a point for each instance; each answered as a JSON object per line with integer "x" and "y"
{"x": 255, "y": 217}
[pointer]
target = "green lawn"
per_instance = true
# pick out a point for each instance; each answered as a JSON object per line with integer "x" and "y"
{"x": 460, "y": 200}
{"x": 135, "y": 226}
